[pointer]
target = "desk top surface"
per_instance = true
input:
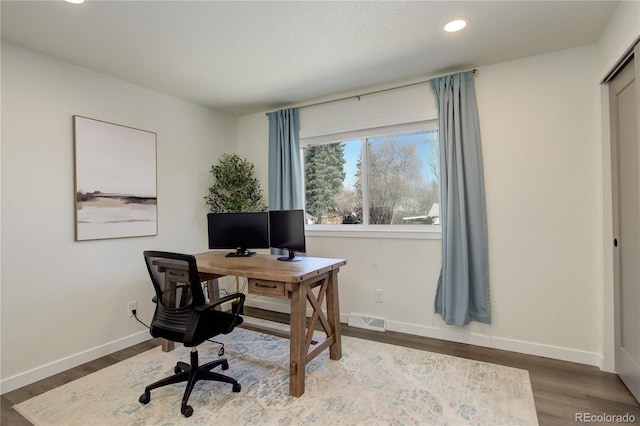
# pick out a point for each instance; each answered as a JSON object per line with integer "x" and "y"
{"x": 265, "y": 267}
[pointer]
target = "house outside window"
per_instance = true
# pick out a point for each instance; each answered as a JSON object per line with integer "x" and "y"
{"x": 375, "y": 180}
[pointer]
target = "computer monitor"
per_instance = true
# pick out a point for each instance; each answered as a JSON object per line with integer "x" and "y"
{"x": 239, "y": 231}
{"x": 286, "y": 231}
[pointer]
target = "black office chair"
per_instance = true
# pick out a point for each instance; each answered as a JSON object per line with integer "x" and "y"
{"x": 183, "y": 315}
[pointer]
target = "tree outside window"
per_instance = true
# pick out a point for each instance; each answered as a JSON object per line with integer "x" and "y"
{"x": 324, "y": 178}
{"x": 380, "y": 180}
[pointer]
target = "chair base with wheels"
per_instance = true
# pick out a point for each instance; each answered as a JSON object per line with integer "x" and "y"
{"x": 191, "y": 374}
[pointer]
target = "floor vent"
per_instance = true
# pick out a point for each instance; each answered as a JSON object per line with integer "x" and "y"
{"x": 370, "y": 323}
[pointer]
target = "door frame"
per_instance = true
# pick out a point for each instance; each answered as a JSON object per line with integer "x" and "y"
{"x": 607, "y": 362}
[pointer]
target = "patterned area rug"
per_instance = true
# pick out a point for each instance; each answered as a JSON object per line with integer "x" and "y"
{"x": 373, "y": 384}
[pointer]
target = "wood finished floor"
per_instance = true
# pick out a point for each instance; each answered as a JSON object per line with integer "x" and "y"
{"x": 561, "y": 389}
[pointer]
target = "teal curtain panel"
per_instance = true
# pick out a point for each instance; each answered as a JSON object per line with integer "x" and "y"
{"x": 285, "y": 171}
{"x": 463, "y": 286}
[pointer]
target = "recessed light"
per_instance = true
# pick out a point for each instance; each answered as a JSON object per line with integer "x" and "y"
{"x": 455, "y": 25}
{"x": 75, "y": 1}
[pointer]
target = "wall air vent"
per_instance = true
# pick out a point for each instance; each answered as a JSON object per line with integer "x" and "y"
{"x": 370, "y": 323}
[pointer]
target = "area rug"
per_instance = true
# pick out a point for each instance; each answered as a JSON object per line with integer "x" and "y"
{"x": 373, "y": 384}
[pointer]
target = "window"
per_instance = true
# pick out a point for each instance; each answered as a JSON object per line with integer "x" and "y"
{"x": 366, "y": 179}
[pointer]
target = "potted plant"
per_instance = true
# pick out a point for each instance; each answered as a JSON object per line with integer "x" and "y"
{"x": 235, "y": 187}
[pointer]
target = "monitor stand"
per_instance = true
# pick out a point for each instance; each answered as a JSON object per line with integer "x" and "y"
{"x": 241, "y": 252}
{"x": 291, "y": 258}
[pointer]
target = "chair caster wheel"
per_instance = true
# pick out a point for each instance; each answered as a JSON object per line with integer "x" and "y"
{"x": 145, "y": 398}
{"x": 187, "y": 411}
{"x": 221, "y": 351}
{"x": 225, "y": 365}
{"x": 177, "y": 370}
{"x": 237, "y": 387}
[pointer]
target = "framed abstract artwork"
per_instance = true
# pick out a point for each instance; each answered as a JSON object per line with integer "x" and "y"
{"x": 115, "y": 180}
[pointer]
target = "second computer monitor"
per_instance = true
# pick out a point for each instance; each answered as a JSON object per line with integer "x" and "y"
{"x": 286, "y": 231}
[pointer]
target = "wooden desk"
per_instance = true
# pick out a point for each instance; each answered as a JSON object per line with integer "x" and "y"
{"x": 294, "y": 281}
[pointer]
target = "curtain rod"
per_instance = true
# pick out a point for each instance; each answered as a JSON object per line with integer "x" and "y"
{"x": 474, "y": 70}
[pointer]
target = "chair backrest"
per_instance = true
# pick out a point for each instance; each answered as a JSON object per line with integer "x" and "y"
{"x": 178, "y": 290}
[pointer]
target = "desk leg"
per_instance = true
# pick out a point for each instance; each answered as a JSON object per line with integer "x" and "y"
{"x": 296, "y": 345}
{"x": 168, "y": 345}
{"x": 213, "y": 290}
{"x": 333, "y": 315}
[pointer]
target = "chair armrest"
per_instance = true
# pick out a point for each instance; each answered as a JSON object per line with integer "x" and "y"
{"x": 218, "y": 302}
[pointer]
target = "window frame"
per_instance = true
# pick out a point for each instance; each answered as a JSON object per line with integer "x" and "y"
{"x": 372, "y": 129}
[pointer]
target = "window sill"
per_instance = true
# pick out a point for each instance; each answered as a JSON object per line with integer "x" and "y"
{"x": 399, "y": 232}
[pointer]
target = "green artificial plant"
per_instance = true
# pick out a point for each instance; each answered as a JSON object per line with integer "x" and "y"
{"x": 235, "y": 187}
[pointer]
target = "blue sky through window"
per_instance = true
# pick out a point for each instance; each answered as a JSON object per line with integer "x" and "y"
{"x": 423, "y": 141}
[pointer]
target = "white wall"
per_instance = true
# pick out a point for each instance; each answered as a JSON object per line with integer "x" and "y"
{"x": 539, "y": 123}
{"x": 619, "y": 36}
{"x": 65, "y": 302}
{"x": 540, "y": 134}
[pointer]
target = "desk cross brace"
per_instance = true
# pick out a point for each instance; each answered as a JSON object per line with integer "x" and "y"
{"x": 319, "y": 344}
{"x": 316, "y": 304}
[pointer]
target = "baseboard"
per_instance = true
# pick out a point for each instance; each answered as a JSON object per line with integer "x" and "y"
{"x": 31, "y": 376}
{"x": 537, "y": 349}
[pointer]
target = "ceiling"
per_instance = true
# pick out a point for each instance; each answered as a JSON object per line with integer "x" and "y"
{"x": 242, "y": 57}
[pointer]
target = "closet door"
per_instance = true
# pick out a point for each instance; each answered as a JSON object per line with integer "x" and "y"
{"x": 624, "y": 98}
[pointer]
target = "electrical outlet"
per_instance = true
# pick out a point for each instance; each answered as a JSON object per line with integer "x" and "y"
{"x": 378, "y": 295}
{"x": 132, "y": 306}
